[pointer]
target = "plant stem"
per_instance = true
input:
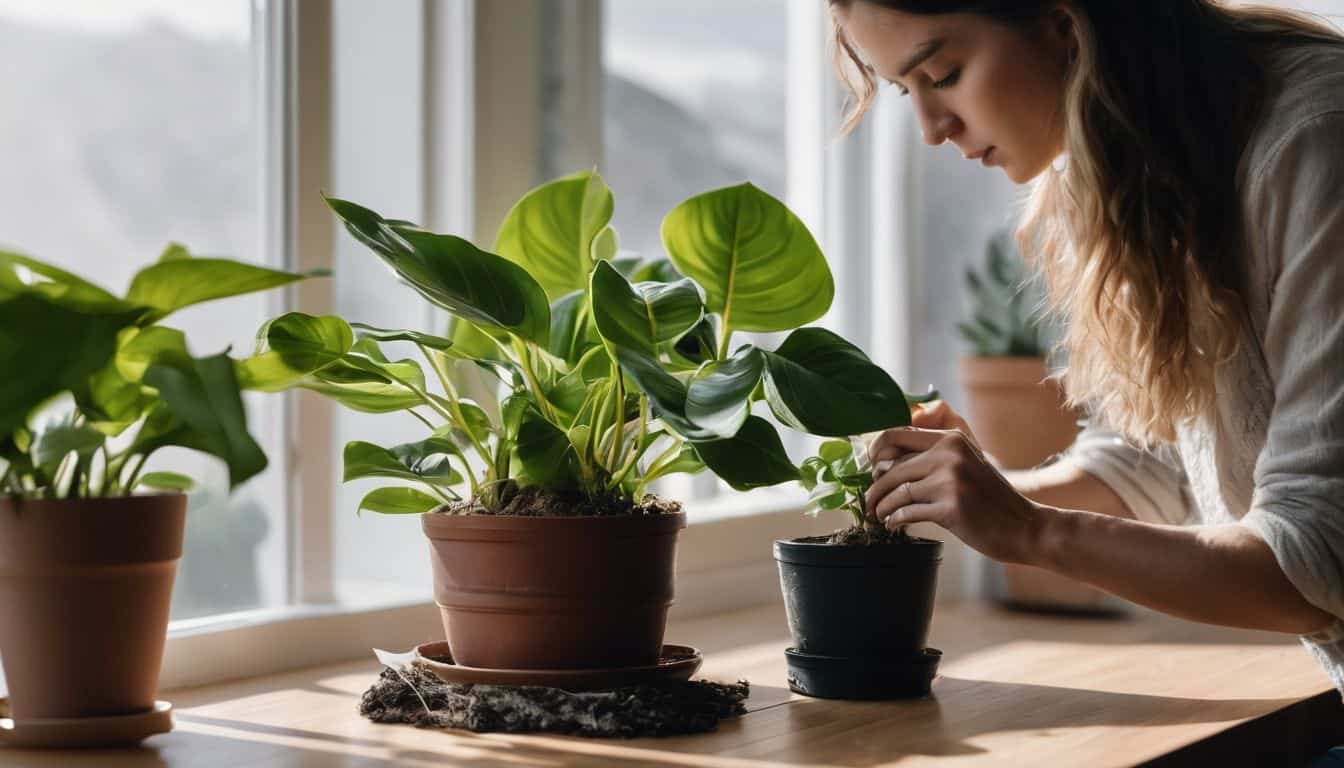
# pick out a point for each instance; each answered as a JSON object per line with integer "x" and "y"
{"x": 107, "y": 471}
{"x": 525, "y": 362}
{"x": 636, "y": 450}
{"x": 454, "y": 403}
{"x": 618, "y": 424}
{"x": 422, "y": 419}
{"x": 135, "y": 473}
{"x": 652, "y": 472}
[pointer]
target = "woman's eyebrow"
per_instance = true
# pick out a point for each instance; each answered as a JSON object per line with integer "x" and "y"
{"x": 922, "y": 52}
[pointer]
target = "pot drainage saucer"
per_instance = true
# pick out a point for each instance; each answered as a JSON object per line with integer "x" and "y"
{"x": 675, "y": 663}
{"x": 902, "y": 676}
{"x": 112, "y": 730}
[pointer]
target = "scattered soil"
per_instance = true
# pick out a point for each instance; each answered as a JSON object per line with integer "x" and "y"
{"x": 413, "y": 695}
{"x": 537, "y": 501}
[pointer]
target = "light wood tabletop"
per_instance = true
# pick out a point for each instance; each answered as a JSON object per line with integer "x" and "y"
{"x": 1014, "y": 689}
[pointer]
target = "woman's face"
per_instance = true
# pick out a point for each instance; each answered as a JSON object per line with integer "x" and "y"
{"x": 993, "y": 90}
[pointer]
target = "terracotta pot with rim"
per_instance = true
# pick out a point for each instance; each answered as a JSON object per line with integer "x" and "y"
{"x": 85, "y": 589}
{"x": 1018, "y": 415}
{"x": 522, "y": 592}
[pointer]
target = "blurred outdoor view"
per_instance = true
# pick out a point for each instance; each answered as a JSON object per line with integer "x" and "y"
{"x": 123, "y": 126}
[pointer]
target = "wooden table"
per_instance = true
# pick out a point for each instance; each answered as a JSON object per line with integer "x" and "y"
{"x": 1015, "y": 689}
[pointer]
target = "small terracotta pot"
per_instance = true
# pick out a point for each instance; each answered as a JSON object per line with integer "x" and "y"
{"x": 519, "y": 592}
{"x": 85, "y": 588}
{"x": 1015, "y": 410}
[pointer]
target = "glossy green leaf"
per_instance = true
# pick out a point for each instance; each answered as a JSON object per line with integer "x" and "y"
{"x": 47, "y": 348}
{"x": 67, "y": 289}
{"x": 166, "y": 481}
{"x": 753, "y": 458}
{"x": 54, "y": 443}
{"x": 291, "y": 347}
{"x": 572, "y": 330}
{"x": 760, "y": 267}
{"x": 398, "y": 501}
{"x": 831, "y": 451}
{"x": 111, "y": 402}
{"x": 426, "y": 460}
{"x": 450, "y": 272}
{"x": 545, "y": 453}
{"x": 168, "y": 286}
{"x": 665, "y": 391}
{"x": 203, "y": 393}
{"x": 551, "y": 231}
{"x": 686, "y": 461}
{"x": 605, "y": 245}
{"x": 426, "y": 340}
{"x": 639, "y": 317}
{"x": 719, "y": 397}
{"x": 819, "y": 383}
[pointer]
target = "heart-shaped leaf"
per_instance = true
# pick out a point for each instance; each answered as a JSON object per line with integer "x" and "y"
{"x": 760, "y": 267}
{"x": 545, "y": 453}
{"x": 553, "y": 231}
{"x": 753, "y": 458}
{"x": 54, "y": 443}
{"x": 821, "y": 384}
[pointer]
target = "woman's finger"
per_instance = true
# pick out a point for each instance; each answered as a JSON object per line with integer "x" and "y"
{"x": 902, "y": 440}
{"x": 913, "y": 513}
{"x": 903, "y": 495}
{"x": 917, "y": 467}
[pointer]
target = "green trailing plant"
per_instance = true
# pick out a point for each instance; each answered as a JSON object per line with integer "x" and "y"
{"x": 613, "y": 370}
{"x": 1005, "y": 317}
{"x": 131, "y": 384}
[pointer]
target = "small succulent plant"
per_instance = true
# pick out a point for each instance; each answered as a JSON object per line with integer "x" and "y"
{"x": 1004, "y": 319}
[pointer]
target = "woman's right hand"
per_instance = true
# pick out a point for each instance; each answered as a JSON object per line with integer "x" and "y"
{"x": 937, "y": 414}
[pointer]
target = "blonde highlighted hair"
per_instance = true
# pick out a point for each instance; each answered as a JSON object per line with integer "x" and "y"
{"x": 1139, "y": 238}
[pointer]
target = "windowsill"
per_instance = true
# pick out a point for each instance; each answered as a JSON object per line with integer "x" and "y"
{"x": 1013, "y": 688}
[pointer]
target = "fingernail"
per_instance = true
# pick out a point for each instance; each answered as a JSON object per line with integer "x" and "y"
{"x": 884, "y": 465}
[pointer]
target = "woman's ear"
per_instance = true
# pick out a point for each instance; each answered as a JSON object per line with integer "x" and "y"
{"x": 1062, "y": 28}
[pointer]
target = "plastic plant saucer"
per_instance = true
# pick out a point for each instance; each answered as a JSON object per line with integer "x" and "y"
{"x": 675, "y": 664}
{"x": 113, "y": 730}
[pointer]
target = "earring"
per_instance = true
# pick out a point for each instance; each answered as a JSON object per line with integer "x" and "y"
{"x": 1060, "y": 163}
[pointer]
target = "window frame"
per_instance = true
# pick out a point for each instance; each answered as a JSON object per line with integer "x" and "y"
{"x": 482, "y": 148}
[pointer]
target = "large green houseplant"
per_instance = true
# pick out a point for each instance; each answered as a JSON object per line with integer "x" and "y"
{"x": 614, "y": 372}
{"x": 94, "y": 386}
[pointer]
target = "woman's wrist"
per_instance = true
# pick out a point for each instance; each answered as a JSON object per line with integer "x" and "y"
{"x": 1049, "y": 531}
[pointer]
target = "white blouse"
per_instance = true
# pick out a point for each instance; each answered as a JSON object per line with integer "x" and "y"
{"x": 1272, "y": 455}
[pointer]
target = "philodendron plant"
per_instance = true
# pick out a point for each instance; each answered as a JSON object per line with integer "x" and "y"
{"x": 135, "y": 388}
{"x": 615, "y": 370}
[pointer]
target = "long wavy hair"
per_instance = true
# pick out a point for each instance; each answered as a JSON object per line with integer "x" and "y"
{"x": 1140, "y": 237}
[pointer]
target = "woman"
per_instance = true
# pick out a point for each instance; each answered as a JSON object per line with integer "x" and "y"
{"x": 1186, "y": 213}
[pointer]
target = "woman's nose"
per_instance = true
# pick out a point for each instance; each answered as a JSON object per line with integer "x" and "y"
{"x": 936, "y": 123}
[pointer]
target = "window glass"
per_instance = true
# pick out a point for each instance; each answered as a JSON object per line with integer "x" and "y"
{"x": 124, "y": 126}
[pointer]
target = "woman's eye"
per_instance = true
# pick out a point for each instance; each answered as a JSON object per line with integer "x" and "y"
{"x": 950, "y": 80}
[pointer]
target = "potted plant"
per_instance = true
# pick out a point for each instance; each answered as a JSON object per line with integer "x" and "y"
{"x": 1017, "y": 409}
{"x": 548, "y": 550}
{"x": 859, "y": 601}
{"x": 87, "y": 559}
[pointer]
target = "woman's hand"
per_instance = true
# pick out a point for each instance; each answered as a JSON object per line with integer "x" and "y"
{"x": 941, "y": 476}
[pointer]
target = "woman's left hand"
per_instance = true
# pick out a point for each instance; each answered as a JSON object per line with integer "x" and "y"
{"x": 940, "y": 476}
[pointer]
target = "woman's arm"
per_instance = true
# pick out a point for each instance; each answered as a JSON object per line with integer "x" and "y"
{"x": 1218, "y": 574}
{"x": 1214, "y": 574}
{"x": 1065, "y": 485}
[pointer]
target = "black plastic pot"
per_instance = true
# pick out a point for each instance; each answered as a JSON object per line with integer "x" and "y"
{"x": 852, "y": 609}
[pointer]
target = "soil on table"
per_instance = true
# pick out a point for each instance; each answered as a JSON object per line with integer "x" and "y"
{"x": 538, "y": 501}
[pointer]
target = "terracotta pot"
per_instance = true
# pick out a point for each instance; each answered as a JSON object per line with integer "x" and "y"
{"x": 1016, "y": 412}
{"x": 1018, "y": 416}
{"x": 518, "y": 592}
{"x": 85, "y": 586}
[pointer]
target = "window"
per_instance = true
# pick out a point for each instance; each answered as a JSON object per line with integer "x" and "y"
{"x": 135, "y": 124}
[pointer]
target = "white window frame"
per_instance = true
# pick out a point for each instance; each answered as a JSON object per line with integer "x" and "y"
{"x": 481, "y": 150}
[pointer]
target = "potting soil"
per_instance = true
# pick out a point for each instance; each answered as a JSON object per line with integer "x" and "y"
{"x": 416, "y": 696}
